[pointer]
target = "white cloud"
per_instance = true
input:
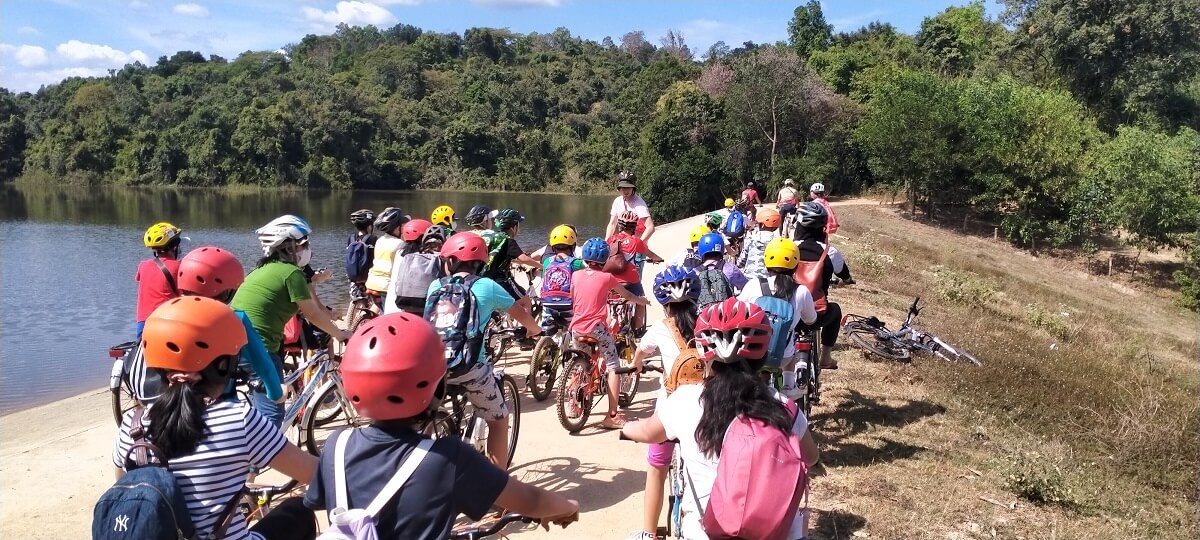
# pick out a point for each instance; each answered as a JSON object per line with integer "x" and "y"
{"x": 353, "y": 13}
{"x": 29, "y": 31}
{"x": 190, "y": 10}
{"x": 700, "y": 34}
{"x": 25, "y": 55}
{"x": 397, "y": 2}
{"x": 77, "y": 51}
{"x": 30, "y": 81}
{"x": 518, "y": 3}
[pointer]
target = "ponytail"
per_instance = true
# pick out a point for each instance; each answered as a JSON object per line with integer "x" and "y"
{"x": 177, "y": 418}
{"x": 734, "y": 390}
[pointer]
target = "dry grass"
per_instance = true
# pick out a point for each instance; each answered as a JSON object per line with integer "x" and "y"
{"x": 1083, "y": 422}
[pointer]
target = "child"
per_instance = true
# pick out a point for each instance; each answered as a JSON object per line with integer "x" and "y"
{"x": 392, "y": 370}
{"x": 781, "y": 257}
{"x": 412, "y": 273}
{"x": 156, "y": 276}
{"x": 558, "y": 269}
{"x": 630, "y": 246}
{"x": 388, "y": 247}
{"x": 750, "y": 258}
{"x": 688, "y": 257}
{"x": 719, "y": 279}
{"x": 590, "y": 288}
{"x": 364, "y": 231}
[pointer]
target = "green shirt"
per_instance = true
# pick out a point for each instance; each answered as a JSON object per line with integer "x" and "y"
{"x": 269, "y": 296}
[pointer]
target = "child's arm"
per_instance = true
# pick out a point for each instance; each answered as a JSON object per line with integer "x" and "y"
{"x": 536, "y": 502}
{"x": 650, "y": 255}
{"x": 256, "y": 353}
{"x": 630, "y": 297}
{"x": 650, "y": 430}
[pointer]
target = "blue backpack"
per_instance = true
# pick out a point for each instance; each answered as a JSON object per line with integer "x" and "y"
{"x": 358, "y": 259}
{"x": 735, "y": 225}
{"x": 454, "y": 312}
{"x": 781, "y": 316}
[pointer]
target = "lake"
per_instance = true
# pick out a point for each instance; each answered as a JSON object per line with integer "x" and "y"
{"x": 68, "y": 256}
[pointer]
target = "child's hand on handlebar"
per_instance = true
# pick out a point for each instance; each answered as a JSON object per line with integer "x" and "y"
{"x": 565, "y": 519}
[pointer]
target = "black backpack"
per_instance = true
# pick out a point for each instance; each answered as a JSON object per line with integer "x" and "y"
{"x": 358, "y": 258}
{"x": 714, "y": 286}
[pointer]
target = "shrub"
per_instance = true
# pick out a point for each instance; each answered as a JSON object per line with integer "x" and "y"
{"x": 962, "y": 287}
{"x": 1053, "y": 323}
{"x": 1040, "y": 482}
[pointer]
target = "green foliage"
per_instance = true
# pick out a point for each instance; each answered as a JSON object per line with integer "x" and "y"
{"x": 1188, "y": 279}
{"x": 808, "y": 31}
{"x": 963, "y": 287}
{"x": 955, "y": 39}
{"x": 1040, "y": 482}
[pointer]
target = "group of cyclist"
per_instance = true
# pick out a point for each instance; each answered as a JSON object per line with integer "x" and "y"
{"x": 202, "y": 322}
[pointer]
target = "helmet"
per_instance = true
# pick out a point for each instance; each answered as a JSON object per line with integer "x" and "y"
{"x": 412, "y": 231}
{"x": 627, "y": 219}
{"x": 477, "y": 215}
{"x": 280, "y": 230}
{"x": 749, "y": 184}
{"x": 393, "y": 366}
{"x": 626, "y": 179}
{"x": 700, "y": 230}
{"x": 732, "y": 330}
{"x": 729, "y": 202}
{"x": 161, "y": 235}
{"x": 595, "y": 250}
{"x": 812, "y": 215}
{"x": 817, "y": 188}
{"x": 710, "y": 243}
{"x": 563, "y": 235}
{"x": 209, "y": 271}
{"x": 507, "y": 218}
{"x": 713, "y": 220}
{"x": 465, "y": 246}
{"x": 442, "y": 215}
{"x": 433, "y": 234}
{"x": 742, "y": 205}
{"x": 362, "y": 217}
{"x": 768, "y": 217}
{"x": 390, "y": 218}
{"x": 676, "y": 284}
{"x": 781, "y": 253}
{"x": 788, "y": 182}
{"x": 189, "y": 332}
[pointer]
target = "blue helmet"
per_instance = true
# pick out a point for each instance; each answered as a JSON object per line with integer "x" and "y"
{"x": 710, "y": 243}
{"x": 676, "y": 284}
{"x": 595, "y": 250}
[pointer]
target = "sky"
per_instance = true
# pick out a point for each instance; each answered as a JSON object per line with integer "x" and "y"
{"x": 45, "y": 41}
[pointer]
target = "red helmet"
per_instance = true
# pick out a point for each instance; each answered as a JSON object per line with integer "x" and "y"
{"x": 465, "y": 246}
{"x": 628, "y": 218}
{"x": 392, "y": 366}
{"x": 412, "y": 231}
{"x": 732, "y": 330}
{"x": 209, "y": 271}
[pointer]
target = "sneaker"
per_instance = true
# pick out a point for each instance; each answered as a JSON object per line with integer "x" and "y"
{"x": 792, "y": 392}
{"x": 641, "y": 535}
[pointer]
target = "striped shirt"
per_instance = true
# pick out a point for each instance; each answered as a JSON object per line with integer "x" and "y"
{"x": 237, "y": 439}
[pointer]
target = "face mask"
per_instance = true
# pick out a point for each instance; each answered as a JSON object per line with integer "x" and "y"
{"x": 305, "y": 256}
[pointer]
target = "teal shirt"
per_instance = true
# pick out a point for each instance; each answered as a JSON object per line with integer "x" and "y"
{"x": 255, "y": 356}
{"x": 489, "y": 298}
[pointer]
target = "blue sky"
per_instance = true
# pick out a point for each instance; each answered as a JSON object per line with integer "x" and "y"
{"x": 44, "y": 41}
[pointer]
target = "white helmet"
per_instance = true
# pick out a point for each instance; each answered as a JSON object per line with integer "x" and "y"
{"x": 280, "y": 230}
{"x": 817, "y": 188}
{"x": 788, "y": 182}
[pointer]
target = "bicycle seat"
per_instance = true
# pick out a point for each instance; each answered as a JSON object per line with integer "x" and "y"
{"x": 587, "y": 340}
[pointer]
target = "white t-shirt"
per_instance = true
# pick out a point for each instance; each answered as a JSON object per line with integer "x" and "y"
{"x": 659, "y": 339}
{"x": 788, "y": 195}
{"x": 680, "y": 414}
{"x": 636, "y": 204}
{"x": 802, "y": 302}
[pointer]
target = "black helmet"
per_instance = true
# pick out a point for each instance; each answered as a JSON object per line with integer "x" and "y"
{"x": 812, "y": 215}
{"x": 362, "y": 217}
{"x": 390, "y": 218}
{"x": 432, "y": 234}
{"x": 507, "y": 218}
{"x": 477, "y": 215}
{"x": 626, "y": 179}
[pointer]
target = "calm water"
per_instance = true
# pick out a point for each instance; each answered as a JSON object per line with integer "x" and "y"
{"x": 67, "y": 259}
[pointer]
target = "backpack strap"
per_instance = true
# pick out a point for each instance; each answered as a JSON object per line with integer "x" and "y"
{"x": 402, "y": 475}
{"x": 679, "y": 341}
{"x": 167, "y": 274}
{"x": 142, "y": 450}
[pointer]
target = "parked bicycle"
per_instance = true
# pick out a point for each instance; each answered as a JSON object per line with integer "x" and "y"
{"x": 873, "y": 336}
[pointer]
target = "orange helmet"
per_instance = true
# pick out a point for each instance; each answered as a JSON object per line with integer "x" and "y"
{"x": 768, "y": 217}
{"x": 188, "y": 333}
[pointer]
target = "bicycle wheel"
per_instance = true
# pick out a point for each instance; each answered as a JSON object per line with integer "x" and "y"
{"x": 574, "y": 402}
{"x": 122, "y": 401}
{"x": 543, "y": 366}
{"x": 627, "y": 383}
{"x": 359, "y": 313}
{"x": 876, "y": 341}
{"x": 674, "y": 497}
{"x": 512, "y": 400}
{"x": 314, "y": 432}
{"x": 952, "y": 353}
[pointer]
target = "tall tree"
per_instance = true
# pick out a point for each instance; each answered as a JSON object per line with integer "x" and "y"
{"x": 956, "y": 38}
{"x": 808, "y": 31}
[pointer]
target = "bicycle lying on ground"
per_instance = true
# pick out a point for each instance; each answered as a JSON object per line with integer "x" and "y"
{"x": 872, "y": 335}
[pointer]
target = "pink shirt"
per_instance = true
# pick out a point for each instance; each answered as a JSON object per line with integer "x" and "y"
{"x": 589, "y": 299}
{"x": 153, "y": 288}
{"x": 831, "y": 226}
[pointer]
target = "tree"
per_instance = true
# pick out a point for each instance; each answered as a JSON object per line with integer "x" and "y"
{"x": 680, "y": 152}
{"x": 807, "y": 31}
{"x": 13, "y": 136}
{"x": 956, "y": 38}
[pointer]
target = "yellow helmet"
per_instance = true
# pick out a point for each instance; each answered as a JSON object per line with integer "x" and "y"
{"x": 700, "y": 230}
{"x": 781, "y": 253}
{"x": 161, "y": 235}
{"x": 728, "y": 203}
{"x": 563, "y": 235}
{"x": 442, "y": 215}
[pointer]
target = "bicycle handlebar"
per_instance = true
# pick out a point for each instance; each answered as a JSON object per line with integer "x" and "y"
{"x": 491, "y": 530}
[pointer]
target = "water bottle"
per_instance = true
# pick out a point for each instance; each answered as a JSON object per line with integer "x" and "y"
{"x": 479, "y": 433}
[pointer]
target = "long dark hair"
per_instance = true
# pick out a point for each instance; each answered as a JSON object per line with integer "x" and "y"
{"x": 683, "y": 314}
{"x": 176, "y": 419}
{"x": 803, "y": 234}
{"x": 782, "y": 282}
{"x": 733, "y": 390}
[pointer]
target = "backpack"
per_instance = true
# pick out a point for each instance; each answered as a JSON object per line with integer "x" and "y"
{"x": 811, "y": 274}
{"x": 454, "y": 313}
{"x": 714, "y": 286}
{"x": 688, "y": 367}
{"x": 495, "y": 242}
{"x": 413, "y": 276}
{"x": 782, "y": 316}
{"x": 735, "y": 225}
{"x": 358, "y": 258}
{"x": 758, "y": 462}
{"x": 147, "y": 503}
{"x": 556, "y": 280}
{"x": 359, "y": 524}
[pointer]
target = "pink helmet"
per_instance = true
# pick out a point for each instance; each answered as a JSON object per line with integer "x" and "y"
{"x": 732, "y": 330}
{"x": 412, "y": 231}
{"x": 392, "y": 367}
{"x": 209, "y": 271}
{"x": 465, "y": 246}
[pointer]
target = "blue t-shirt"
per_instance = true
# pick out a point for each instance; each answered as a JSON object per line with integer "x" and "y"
{"x": 490, "y": 298}
{"x": 453, "y": 479}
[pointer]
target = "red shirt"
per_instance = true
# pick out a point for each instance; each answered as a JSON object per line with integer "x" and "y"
{"x": 153, "y": 288}
{"x": 589, "y": 299}
{"x": 629, "y": 246}
{"x": 750, "y": 195}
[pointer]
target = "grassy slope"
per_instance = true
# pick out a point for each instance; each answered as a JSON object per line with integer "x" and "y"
{"x": 1087, "y": 397}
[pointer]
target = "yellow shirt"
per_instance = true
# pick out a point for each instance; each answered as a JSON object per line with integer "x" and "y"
{"x": 381, "y": 268}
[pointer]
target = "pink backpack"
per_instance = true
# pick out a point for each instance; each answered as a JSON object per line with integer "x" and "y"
{"x": 760, "y": 467}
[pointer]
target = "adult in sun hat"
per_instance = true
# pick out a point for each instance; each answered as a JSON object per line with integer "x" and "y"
{"x": 630, "y": 201}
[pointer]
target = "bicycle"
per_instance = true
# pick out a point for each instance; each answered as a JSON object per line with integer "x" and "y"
{"x": 123, "y": 398}
{"x": 475, "y": 533}
{"x": 547, "y": 357}
{"x": 872, "y": 335}
{"x": 583, "y": 382}
{"x": 808, "y": 362}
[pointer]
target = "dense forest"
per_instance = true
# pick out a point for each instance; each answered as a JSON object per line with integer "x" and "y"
{"x": 1060, "y": 121}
